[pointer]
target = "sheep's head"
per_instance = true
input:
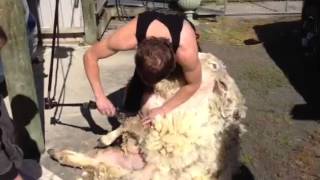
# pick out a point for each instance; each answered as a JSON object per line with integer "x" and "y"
{"x": 133, "y": 126}
{"x": 130, "y": 143}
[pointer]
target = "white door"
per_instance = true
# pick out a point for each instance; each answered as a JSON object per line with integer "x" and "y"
{"x": 70, "y": 16}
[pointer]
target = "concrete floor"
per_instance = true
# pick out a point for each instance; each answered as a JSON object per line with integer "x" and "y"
{"x": 80, "y": 128}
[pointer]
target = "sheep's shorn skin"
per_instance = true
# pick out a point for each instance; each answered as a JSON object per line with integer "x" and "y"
{"x": 199, "y": 140}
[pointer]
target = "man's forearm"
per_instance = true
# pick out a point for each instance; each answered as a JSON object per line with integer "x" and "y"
{"x": 93, "y": 74}
{"x": 98, "y": 51}
{"x": 180, "y": 97}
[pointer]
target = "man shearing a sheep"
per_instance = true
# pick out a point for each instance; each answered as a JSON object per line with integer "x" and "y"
{"x": 163, "y": 43}
{"x": 194, "y": 106}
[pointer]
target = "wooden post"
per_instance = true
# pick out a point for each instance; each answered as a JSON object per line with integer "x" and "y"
{"x": 20, "y": 80}
{"x": 89, "y": 19}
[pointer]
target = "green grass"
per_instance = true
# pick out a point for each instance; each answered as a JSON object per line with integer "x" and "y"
{"x": 262, "y": 79}
{"x": 228, "y": 30}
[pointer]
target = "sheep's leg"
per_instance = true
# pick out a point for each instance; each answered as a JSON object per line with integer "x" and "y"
{"x": 73, "y": 159}
{"x": 115, "y": 157}
{"x": 105, "y": 163}
{"x": 109, "y": 138}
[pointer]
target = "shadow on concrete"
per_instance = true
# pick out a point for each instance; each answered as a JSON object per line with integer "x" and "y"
{"x": 282, "y": 42}
{"x": 55, "y": 65}
{"x": 93, "y": 126}
{"x": 23, "y": 111}
{"x": 63, "y": 52}
{"x": 96, "y": 129}
{"x": 116, "y": 98}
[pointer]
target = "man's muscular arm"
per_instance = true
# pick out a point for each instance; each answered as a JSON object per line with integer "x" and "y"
{"x": 187, "y": 57}
{"x": 122, "y": 39}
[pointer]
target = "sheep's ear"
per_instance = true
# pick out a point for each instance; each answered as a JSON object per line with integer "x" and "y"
{"x": 219, "y": 87}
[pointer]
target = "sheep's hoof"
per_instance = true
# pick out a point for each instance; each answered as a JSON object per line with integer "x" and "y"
{"x": 109, "y": 138}
{"x": 53, "y": 153}
{"x": 104, "y": 141}
{"x": 100, "y": 144}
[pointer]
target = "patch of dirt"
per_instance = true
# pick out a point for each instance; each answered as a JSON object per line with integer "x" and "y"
{"x": 234, "y": 31}
{"x": 305, "y": 157}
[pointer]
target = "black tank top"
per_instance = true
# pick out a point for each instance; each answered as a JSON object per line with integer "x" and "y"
{"x": 173, "y": 22}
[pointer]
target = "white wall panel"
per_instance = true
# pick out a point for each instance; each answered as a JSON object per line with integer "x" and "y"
{"x": 70, "y": 17}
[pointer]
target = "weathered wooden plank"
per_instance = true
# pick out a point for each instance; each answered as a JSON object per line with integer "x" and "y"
{"x": 20, "y": 80}
{"x": 89, "y": 19}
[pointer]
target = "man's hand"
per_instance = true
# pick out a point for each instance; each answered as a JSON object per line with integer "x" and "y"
{"x": 105, "y": 106}
{"x": 151, "y": 115}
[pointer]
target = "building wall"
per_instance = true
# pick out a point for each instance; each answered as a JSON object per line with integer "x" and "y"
{"x": 70, "y": 16}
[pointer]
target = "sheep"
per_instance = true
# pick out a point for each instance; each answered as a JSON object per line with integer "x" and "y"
{"x": 197, "y": 140}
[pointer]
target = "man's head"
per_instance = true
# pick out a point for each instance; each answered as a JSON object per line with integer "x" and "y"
{"x": 154, "y": 60}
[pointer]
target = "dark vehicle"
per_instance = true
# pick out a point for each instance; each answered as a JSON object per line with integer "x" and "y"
{"x": 311, "y": 28}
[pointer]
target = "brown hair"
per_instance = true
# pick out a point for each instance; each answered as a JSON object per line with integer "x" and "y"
{"x": 154, "y": 60}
